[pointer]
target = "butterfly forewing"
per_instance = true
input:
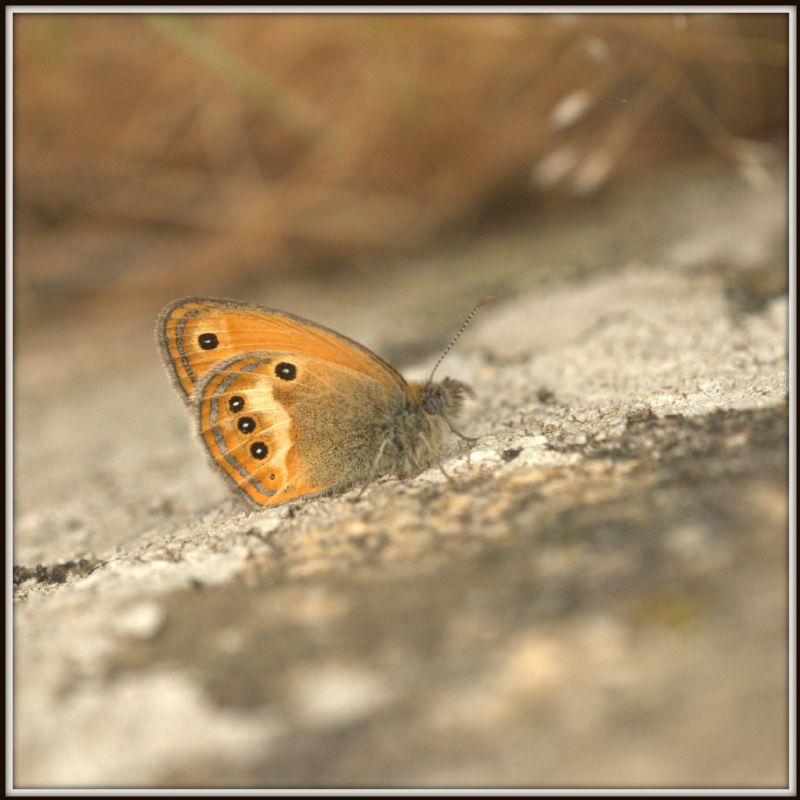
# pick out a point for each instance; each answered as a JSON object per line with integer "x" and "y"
{"x": 196, "y": 335}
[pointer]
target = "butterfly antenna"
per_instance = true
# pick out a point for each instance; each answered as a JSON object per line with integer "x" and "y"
{"x": 484, "y": 302}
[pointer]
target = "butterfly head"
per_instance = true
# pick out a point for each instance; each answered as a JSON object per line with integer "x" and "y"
{"x": 445, "y": 397}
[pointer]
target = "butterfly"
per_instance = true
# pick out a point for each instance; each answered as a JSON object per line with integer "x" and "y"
{"x": 289, "y": 409}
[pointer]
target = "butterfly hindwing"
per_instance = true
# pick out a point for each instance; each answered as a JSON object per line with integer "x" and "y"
{"x": 282, "y": 425}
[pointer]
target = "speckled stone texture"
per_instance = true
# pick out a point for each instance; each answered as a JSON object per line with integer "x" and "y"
{"x": 599, "y": 599}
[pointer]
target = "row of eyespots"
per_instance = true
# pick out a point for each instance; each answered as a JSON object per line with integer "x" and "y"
{"x": 258, "y": 450}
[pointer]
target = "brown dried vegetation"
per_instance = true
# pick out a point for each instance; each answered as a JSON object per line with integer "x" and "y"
{"x": 158, "y": 155}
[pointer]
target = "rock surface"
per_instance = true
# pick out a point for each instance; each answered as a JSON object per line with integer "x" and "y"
{"x": 599, "y": 598}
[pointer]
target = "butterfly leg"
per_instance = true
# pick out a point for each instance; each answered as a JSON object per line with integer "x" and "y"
{"x": 434, "y": 452}
{"x": 445, "y": 472}
{"x": 374, "y": 469}
{"x": 468, "y": 439}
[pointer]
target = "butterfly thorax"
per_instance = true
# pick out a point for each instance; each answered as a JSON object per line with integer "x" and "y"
{"x": 415, "y": 439}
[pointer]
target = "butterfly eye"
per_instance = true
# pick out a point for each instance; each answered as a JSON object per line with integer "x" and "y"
{"x": 259, "y": 450}
{"x": 236, "y": 403}
{"x": 208, "y": 341}
{"x": 432, "y": 404}
{"x": 246, "y": 424}
{"x": 286, "y": 371}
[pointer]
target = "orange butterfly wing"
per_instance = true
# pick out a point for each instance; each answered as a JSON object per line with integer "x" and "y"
{"x": 286, "y": 425}
{"x": 277, "y": 440}
{"x": 196, "y": 334}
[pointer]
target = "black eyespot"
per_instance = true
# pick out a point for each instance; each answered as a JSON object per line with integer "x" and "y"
{"x": 272, "y": 476}
{"x": 236, "y": 403}
{"x": 246, "y": 424}
{"x": 286, "y": 371}
{"x": 259, "y": 450}
{"x": 208, "y": 341}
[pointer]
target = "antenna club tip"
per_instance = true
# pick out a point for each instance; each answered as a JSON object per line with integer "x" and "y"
{"x": 486, "y": 300}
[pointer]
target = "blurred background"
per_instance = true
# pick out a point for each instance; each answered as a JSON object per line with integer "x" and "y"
{"x": 158, "y": 155}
